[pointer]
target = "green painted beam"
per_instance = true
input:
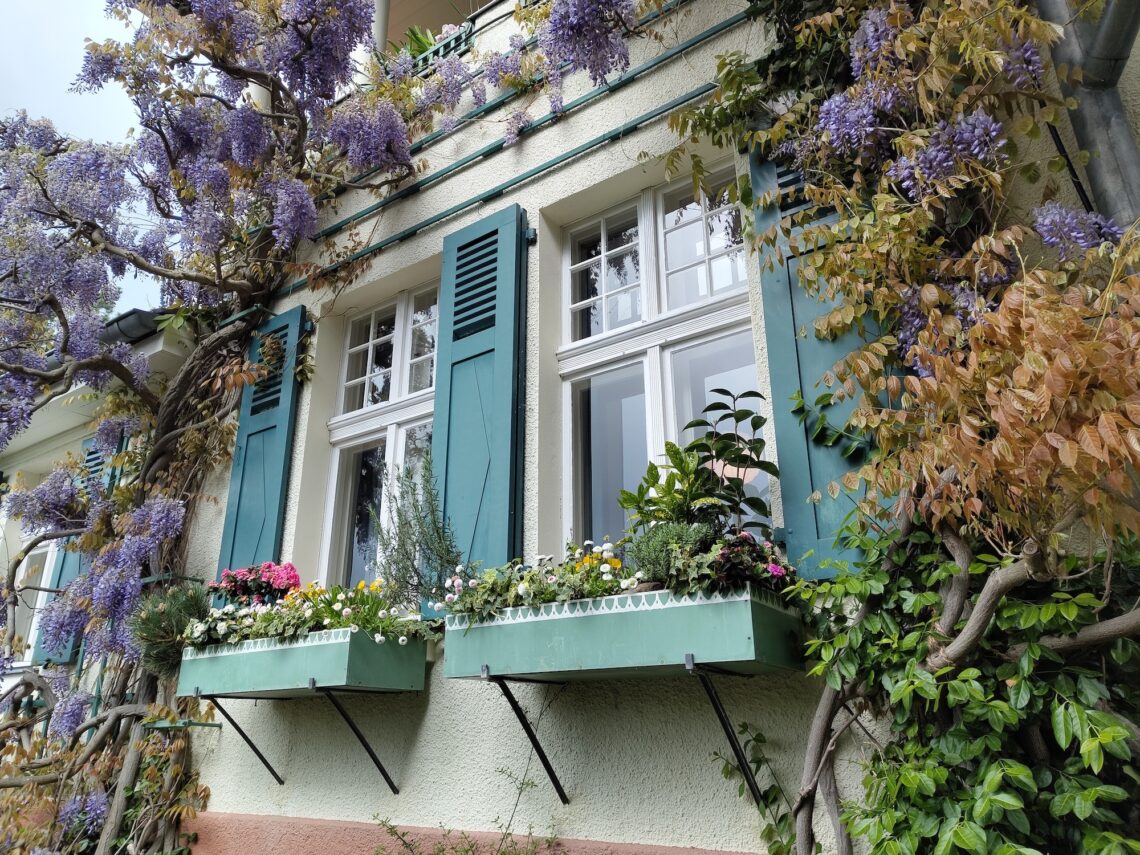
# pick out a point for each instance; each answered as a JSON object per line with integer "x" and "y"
{"x": 628, "y": 635}
{"x": 336, "y": 660}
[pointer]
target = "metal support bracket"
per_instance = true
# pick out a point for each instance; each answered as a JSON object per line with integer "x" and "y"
{"x": 704, "y": 675}
{"x": 252, "y": 745}
{"x": 520, "y": 714}
{"x": 361, "y": 739}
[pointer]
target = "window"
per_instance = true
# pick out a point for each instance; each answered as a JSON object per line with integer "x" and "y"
{"x": 385, "y": 424}
{"x": 34, "y": 573}
{"x": 703, "y": 243}
{"x": 650, "y": 365}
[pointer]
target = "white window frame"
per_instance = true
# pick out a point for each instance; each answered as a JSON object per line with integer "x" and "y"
{"x": 50, "y": 550}
{"x": 650, "y": 341}
{"x": 353, "y": 431}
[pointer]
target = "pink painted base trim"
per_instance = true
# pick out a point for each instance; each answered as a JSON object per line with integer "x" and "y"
{"x": 250, "y": 834}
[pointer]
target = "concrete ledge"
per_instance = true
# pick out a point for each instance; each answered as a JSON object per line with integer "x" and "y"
{"x": 251, "y": 834}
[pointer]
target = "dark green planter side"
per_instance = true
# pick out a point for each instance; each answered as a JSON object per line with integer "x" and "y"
{"x": 337, "y": 659}
{"x": 627, "y": 635}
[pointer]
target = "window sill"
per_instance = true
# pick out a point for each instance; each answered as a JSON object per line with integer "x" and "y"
{"x": 358, "y": 424}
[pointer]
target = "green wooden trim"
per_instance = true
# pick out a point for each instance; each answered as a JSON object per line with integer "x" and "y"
{"x": 263, "y": 451}
{"x": 628, "y": 635}
{"x": 333, "y": 660}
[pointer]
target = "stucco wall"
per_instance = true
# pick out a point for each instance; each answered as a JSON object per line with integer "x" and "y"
{"x": 636, "y": 757}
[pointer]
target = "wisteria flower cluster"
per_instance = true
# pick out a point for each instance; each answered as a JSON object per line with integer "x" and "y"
{"x": 364, "y": 608}
{"x": 1073, "y": 232}
{"x": 264, "y": 584}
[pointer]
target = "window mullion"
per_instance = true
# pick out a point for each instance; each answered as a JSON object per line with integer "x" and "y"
{"x": 654, "y": 399}
{"x": 649, "y": 246}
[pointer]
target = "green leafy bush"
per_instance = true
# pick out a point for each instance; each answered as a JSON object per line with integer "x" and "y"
{"x": 160, "y": 621}
{"x": 655, "y": 552}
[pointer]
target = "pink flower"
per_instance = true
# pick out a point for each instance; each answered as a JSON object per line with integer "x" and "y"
{"x": 776, "y": 570}
{"x": 551, "y": 579}
{"x": 450, "y": 598}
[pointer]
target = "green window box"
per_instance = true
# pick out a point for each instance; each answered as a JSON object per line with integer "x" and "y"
{"x": 627, "y": 635}
{"x": 330, "y": 660}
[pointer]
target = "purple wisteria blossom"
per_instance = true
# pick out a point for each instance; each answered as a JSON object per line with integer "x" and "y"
{"x": 373, "y": 137}
{"x": 294, "y": 212}
{"x": 1072, "y": 232}
{"x": 83, "y": 815}
{"x": 499, "y": 67}
{"x": 588, "y": 35}
{"x": 1023, "y": 65}
{"x": 849, "y": 121}
{"x": 980, "y": 136}
{"x": 517, "y": 122}
{"x": 873, "y": 42}
{"x": 51, "y": 505}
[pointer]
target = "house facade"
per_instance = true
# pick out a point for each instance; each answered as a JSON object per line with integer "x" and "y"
{"x": 543, "y": 315}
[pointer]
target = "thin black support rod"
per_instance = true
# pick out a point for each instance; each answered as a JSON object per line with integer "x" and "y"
{"x": 532, "y": 736}
{"x": 252, "y": 746}
{"x": 726, "y": 725}
{"x": 360, "y": 738}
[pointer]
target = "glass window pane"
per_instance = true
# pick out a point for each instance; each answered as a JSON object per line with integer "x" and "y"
{"x": 623, "y": 308}
{"x": 586, "y": 322}
{"x": 417, "y": 443}
{"x": 728, "y": 271}
{"x": 385, "y": 325}
{"x": 357, "y": 364}
{"x": 584, "y": 283}
{"x": 586, "y": 244}
{"x": 360, "y": 332}
{"x": 31, "y": 573}
{"x": 622, "y": 270}
{"x": 687, "y": 286}
{"x": 723, "y": 363}
{"x": 684, "y": 246}
{"x": 423, "y": 340}
{"x": 422, "y": 375}
{"x": 368, "y": 474}
{"x": 354, "y": 397}
{"x": 610, "y": 452}
{"x": 621, "y": 229}
{"x": 382, "y": 355}
{"x": 380, "y": 387}
{"x": 680, "y": 206}
{"x": 719, "y": 185}
{"x": 426, "y": 307}
{"x": 724, "y": 229}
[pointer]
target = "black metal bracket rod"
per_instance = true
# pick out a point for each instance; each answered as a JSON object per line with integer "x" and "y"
{"x": 726, "y": 725}
{"x": 361, "y": 739}
{"x": 252, "y": 745}
{"x": 530, "y": 734}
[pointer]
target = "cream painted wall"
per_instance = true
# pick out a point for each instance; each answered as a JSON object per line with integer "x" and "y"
{"x": 636, "y": 757}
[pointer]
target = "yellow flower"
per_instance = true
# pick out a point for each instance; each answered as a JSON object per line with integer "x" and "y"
{"x": 360, "y": 585}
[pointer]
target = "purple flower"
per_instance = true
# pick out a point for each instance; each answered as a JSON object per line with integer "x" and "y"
{"x": 872, "y": 42}
{"x": 517, "y": 122}
{"x": 1070, "y": 231}
{"x": 776, "y": 570}
{"x": 247, "y": 135}
{"x": 70, "y": 711}
{"x": 402, "y": 66}
{"x": 51, "y": 504}
{"x": 588, "y": 35}
{"x": 294, "y": 212}
{"x": 372, "y": 137}
{"x": 980, "y": 136}
{"x": 848, "y": 120}
{"x": 159, "y": 517}
{"x": 1023, "y": 65}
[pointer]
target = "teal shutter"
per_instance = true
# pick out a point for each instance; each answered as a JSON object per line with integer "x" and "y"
{"x": 69, "y": 566}
{"x": 259, "y": 477}
{"x": 812, "y": 518}
{"x": 477, "y": 432}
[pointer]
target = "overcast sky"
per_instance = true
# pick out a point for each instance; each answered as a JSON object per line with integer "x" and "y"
{"x": 43, "y": 52}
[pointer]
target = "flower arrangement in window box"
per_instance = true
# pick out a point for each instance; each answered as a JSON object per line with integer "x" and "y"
{"x": 265, "y": 583}
{"x": 312, "y": 638}
{"x": 691, "y": 580}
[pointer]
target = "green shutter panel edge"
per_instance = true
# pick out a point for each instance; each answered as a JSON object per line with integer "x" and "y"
{"x": 69, "y": 566}
{"x": 812, "y": 518}
{"x": 477, "y": 430}
{"x": 263, "y": 450}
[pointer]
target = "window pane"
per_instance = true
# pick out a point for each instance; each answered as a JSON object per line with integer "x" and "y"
{"x": 368, "y": 475}
{"x": 422, "y": 375}
{"x": 723, "y": 363}
{"x": 623, "y": 308}
{"x": 724, "y": 229}
{"x": 684, "y": 246}
{"x": 426, "y": 307}
{"x": 31, "y": 573}
{"x": 680, "y": 206}
{"x": 610, "y": 450}
{"x": 621, "y": 229}
{"x": 380, "y": 387}
{"x": 423, "y": 340}
{"x": 622, "y": 270}
{"x": 719, "y": 184}
{"x": 385, "y": 325}
{"x": 586, "y": 322}
{"x": 586, "y": 244}
{"x": 417, "y": 443}
{"x": 382, "y": 355}
{"x": 357, "y": 364}
{"x": 728, "y": 271}
{"x": 354, "y": 397}
{"x": 687, "y": 286}
{"x": 584, "y": 283}
{"x": 360, "y": 332}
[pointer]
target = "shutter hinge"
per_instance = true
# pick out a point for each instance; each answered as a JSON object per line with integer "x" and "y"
{"x": 531, "y": 236}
